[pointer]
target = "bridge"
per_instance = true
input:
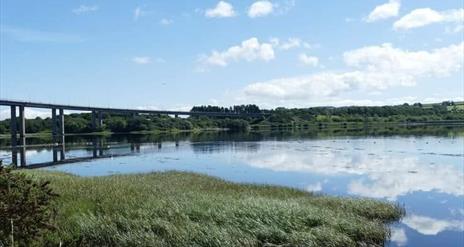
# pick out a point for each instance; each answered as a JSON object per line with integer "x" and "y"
{"x": 18, "y": 121}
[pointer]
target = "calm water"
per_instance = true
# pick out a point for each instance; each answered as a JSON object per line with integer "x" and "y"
{"x": 422, "y": 170}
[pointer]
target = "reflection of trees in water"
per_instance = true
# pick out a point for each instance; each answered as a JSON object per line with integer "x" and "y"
{"x": 225, "y": 146}
{"x": 278, "y": 135}
{"x": 214, "y": 141}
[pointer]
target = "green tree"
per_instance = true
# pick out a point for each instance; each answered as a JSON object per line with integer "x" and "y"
{"x": 25, "y": 208}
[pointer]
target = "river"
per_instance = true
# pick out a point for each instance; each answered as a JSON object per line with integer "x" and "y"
{"x": 421, "y": 169}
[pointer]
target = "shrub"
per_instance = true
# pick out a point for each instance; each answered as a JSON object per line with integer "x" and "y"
{"x": 236, "y": 125}
{"x": 25, "y": 208}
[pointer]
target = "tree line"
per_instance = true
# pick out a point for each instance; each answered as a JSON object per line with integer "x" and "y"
{"x": 81, "y": 122}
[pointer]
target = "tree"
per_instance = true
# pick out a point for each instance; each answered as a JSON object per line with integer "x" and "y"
{"x": 117, "y": 124}
{"x": 25, "y": 208}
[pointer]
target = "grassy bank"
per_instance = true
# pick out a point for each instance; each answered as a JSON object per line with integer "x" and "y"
{"x": 185, "y": 209}
{"x": 48, "y": 134}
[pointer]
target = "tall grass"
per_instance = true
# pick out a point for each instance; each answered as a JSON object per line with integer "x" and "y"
{"x": 186, "y": 209}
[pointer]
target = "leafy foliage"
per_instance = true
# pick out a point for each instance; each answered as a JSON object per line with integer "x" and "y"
{"x": 25, "y": 208}
{"x": 232, "y": 109}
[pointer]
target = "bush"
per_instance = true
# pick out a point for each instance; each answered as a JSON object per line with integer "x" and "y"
{"x": 25, "y": 208}
{"x": 236, "y": 125}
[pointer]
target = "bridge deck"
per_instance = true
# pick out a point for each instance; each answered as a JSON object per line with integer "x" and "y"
{"x": 122, "y": 110}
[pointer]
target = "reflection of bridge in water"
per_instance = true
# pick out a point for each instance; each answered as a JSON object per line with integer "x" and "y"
{"x": 59, "y": 157}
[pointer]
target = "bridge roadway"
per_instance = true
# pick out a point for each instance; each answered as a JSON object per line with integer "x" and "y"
{"x": 122, "y": 110}
{"x": 18, "y": 123}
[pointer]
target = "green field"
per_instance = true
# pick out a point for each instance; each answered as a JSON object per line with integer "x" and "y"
{"x": 185, "y": 209}
{"x": 458, "y": 105}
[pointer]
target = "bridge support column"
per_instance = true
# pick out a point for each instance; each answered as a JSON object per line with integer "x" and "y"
{"x": 61, "y": 134}
{"x": 100, "y": 147}
{"x": 14, "y": 156}
{"x": 94, "y": 121}
{"x": 62, "y": 149}
{"x": 13, "y": 126}
{"x": 95, "y": 147}
{"x": 22, "y": 126}
{"x": 22, "y": 154}
{"x": 13, "y": 132}
{"x": 55, "y": 154}
{"x": 54, "y": 126}
{"x": 61, "y": 123}
{"x": 100, "y": 119}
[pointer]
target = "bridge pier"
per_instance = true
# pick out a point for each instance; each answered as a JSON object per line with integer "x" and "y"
{"x": 61, "y": 123}
{"x": 97, "y": 120}
{"x": 94, "y": 120}
{"x": 100, "y": 147}
{"x": 57, "y": 125}
{"x": 22, "y": 153}
{"x": 55, "y": 154}
{"x": 14, "y": 156}
{"x": 95, "y": 147}
{"x": 13, "y": 125}
{"x": 54, "y": 126}
{"x": 100, "y": 119}
{"x": 22, "y": 126}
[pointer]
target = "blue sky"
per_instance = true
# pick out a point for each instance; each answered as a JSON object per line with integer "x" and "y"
{"x": 175, "y": 54}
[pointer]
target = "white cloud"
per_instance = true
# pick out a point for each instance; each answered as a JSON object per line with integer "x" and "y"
{"x": 260, "y": 8}
{"x": 349, "y": 19}
{"x": 369, "y": 68}
{"x": 166, "y": 22}
{"x": 384, "y": 11}
{"x": 291, "y": 43}
{"x": 85, "y": 9}
{"x": 138, "y": 12}
{"x": 398, "y": 235}
{"x": 284, "y": 7}
{"x": 457, "y": 29}
{"x": 407, "y": 179}
{"x": 430, "y": 226}
{"x": 308, "y": 60}
{"x": 147, "y": 60}
{"x": 426, "y": 16}
{"x": 141, "y": 60}
{"x": 222, "y": 9}
{"x": 160, "y": 60}
{"x": 249, "y": 50}
{"x": 382, "y": 175}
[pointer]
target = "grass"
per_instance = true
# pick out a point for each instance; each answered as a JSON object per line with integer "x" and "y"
{"x": 186, "y": 209}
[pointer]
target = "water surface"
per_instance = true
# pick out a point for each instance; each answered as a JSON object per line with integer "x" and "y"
{"x": 420, "y": 169}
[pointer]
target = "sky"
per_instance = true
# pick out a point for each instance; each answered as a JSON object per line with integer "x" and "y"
{"x": 176, "y": 54}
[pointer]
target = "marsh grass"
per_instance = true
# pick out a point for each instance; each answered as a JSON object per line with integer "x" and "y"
{"x": 186, "y": 209}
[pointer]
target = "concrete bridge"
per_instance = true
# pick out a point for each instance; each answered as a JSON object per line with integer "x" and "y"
{"x": 57, "y": 112}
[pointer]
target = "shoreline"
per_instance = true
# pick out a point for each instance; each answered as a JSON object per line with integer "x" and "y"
{"x": 265, "y": 128}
